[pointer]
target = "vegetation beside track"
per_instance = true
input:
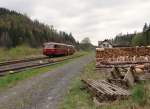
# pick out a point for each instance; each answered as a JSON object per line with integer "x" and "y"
{"x": 12, "y": 79}
{"x": 79, "y": 98}
{"x": 19, "y": 53}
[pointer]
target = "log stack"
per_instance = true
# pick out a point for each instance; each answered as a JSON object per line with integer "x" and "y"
{"x": 125, "y": 51}
{"x": 123, "y": 54}
{"x": 129, "y": 76}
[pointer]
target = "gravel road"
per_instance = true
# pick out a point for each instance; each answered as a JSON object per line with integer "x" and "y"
{"x": 44, "y": 91}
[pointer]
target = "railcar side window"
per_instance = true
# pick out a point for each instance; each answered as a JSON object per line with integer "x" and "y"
{"x": 49, "y": 46}
{"x": 59, "y": 46}
{"x": 56, "y": 46}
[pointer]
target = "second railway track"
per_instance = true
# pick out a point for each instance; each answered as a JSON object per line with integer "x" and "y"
{"x": 23, "y": 60}
{"x": 11, "y": 67}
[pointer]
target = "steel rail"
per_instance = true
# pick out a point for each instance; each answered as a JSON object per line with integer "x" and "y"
{"x": 22, "y": 60}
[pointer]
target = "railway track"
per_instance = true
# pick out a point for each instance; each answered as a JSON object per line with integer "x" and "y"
{"x": 11, "y": 67}
{"x": 22, "y": 60}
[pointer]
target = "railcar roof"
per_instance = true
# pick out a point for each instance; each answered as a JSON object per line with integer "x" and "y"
{"x": 54, "y": 43}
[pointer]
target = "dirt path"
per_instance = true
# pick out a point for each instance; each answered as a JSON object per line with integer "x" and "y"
{"x": 44, "y": 91}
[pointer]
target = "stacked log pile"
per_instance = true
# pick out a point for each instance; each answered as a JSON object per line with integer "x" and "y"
{"x": 122, "y": 54}
{"x": 116, "y": 52}
{"x": 129, "y": 76}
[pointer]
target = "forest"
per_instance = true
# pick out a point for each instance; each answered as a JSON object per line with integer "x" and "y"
{"x": 18, "y": 29}
{"x": 134, "y": 39}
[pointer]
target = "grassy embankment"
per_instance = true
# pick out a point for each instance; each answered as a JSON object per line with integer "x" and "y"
{"x": 19, "y": 52}
{"x": 82, "y": 99}
{"x": 12, "y": 79}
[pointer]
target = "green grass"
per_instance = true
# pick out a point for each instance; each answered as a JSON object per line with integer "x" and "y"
{"x": 81, "y": 99}
{"x": 12, "y": 79}
{"x": 139, "y": 95}
{"x": 19, "y": 52}
{"x": 77, "y": 98}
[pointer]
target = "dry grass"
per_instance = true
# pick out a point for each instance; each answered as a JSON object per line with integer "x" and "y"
{"x": 19, "y": 52}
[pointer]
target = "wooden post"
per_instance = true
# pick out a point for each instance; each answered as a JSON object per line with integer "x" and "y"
{"x": 130, "y": 77}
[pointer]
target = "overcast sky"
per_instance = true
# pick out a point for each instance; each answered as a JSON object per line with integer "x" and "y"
{"x": 96, "y": 19}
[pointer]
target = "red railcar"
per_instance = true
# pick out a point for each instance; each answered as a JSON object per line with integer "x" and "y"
{"x": 56, "y": 49}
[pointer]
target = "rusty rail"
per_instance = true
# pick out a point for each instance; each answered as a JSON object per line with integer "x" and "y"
{"x": 22, "y": 60}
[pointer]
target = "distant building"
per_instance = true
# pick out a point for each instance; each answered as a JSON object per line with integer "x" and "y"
{"x": 105, "y": 44}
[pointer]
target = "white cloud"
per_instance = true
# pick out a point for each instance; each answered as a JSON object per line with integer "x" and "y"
{"x": 97, "y": 19}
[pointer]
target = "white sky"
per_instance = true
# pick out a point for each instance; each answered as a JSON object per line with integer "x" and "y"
{"x": 96, "y": 19}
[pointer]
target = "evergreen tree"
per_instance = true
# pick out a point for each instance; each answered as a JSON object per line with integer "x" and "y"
{"x": 17, "y": 29}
